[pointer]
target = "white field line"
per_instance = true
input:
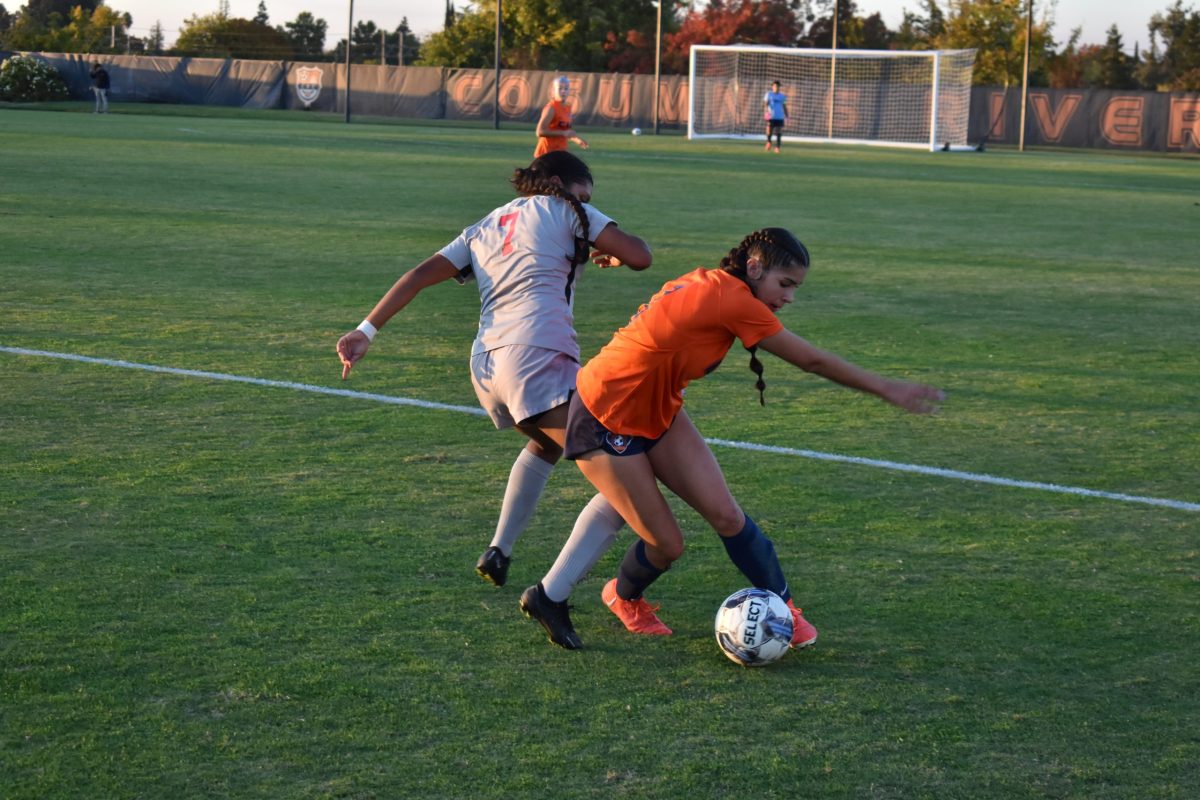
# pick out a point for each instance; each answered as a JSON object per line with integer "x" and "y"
{"x": 951, "y": 474}
{"x": 222, "y": 376}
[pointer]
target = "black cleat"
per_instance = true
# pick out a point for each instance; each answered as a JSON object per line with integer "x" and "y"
{"x": 493, "y": 566}
{"x": 554, "y": 617}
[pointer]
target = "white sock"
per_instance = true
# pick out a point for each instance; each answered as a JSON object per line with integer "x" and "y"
{"x": 594, "y": 532}
{"x": 526, "y": 481}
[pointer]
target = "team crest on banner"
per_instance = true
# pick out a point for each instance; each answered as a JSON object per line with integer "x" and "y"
{"x": 308, "y": 84}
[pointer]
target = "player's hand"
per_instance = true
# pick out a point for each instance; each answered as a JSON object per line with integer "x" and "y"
{"x": 350, "y": 349}
{"x": 916, "y": 398}
{"x": 580, "y": 141}
{"x": 606, "y": 261}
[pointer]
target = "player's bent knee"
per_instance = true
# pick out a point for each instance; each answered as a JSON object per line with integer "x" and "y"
{"x": 727, "y": 521}
{"x": 670, "y": 551}
{"x": 541, "y": 445}
{"x": 549, "y": 454}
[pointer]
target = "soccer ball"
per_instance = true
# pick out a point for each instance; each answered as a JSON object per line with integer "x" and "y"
{"x": 754, "y": 627}
{"x": 636, "y": 131}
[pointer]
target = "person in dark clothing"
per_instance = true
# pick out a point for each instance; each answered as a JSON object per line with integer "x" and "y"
{"x": 100, "y": 88}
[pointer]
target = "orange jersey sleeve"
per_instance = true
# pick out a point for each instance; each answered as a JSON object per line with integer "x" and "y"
{"x": 635, "y": 384}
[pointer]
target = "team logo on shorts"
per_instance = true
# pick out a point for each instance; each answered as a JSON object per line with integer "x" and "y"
{"x": 617, "y": 442}
{"x": 308, "y": 84}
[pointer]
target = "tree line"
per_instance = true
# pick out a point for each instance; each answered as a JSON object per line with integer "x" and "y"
{"x": 620, "y": 36}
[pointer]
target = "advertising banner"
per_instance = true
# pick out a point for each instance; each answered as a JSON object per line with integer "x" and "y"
{"x": 1098, "y": 118}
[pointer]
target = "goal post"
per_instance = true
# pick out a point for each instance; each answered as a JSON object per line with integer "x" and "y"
{"x": 897, "y": 98}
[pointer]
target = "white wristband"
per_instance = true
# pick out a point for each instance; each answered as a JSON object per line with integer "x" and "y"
{"x": 369, "y": 329}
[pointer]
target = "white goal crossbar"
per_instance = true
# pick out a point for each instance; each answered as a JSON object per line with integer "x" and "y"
{"x": 897, "y": 98}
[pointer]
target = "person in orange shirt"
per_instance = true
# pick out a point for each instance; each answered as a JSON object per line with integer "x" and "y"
{"x": 554, "y": 127}
{"x": 627, "y": 429}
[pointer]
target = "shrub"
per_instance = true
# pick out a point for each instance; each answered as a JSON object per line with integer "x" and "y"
{"x": 24, "y": 79}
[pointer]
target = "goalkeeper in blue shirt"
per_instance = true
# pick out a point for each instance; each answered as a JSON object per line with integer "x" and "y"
{"x": 775, "y": 113}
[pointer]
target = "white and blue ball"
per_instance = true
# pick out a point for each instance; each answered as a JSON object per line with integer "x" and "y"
{"x": 636, "y": 131}
{"x": 754, "y": 627}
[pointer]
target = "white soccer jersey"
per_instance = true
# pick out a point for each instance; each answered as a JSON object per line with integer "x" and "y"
{"x": 520, "y": 255}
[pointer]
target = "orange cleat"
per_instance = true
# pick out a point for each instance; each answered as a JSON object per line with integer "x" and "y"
{"x": 803, "y": 633}
{"x": 637, "y": 615}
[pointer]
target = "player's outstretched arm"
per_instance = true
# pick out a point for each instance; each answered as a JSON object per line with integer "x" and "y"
{"x": 435, "y": 269}
{"x": 916, "y": 398}
{"x": 616, "y": 248}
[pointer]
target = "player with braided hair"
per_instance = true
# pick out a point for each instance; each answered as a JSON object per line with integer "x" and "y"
{"x": 627, "y": 429}
{"x": 525, "y": 257}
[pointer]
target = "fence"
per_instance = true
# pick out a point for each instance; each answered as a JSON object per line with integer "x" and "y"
{"x": 1097, "y": 118}
{"x": 1167, "y": 122}
{"x": 613, "y": 100}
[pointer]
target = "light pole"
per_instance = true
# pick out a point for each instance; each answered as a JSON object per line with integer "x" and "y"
{"x": 833, "y": 65}
{"x": 657, "y": 62}
{"x": 1025, "y": 73}
{"x": 349, "y": 39}
{"x": 496, "y": 90}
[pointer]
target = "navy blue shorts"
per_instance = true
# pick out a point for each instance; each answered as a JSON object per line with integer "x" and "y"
{"x": 585, "y": 434}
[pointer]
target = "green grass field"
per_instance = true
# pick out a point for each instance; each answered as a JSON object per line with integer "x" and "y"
{"x": 214, "y": 588}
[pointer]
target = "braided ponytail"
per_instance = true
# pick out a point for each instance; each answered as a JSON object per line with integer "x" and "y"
{"x": 536, "y": 179}
{"x": 757, "y": 368}
{"x": 774, "y": 247}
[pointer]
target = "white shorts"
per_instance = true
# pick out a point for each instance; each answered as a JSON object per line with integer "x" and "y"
{"x": 516, "y": 382}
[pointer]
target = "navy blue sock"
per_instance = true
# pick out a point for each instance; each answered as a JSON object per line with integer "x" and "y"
{"x": 636, "y": 572}
{"x": 754, "y": 554}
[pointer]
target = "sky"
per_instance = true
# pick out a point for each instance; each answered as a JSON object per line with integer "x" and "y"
{"x": 425, "y": 16}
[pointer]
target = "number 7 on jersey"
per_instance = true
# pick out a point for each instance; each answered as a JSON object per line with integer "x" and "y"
{"x": 508, "y": 223}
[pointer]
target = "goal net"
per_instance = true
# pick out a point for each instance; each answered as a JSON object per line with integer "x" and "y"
{"x": 918, "y": 98}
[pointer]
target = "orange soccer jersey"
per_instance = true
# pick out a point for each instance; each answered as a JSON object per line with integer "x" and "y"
{"x": 635, "y": 384}
{"x": 560, "y": 122}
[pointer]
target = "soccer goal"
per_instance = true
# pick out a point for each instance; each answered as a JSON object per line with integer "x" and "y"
{"x": 898, "y": 98}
